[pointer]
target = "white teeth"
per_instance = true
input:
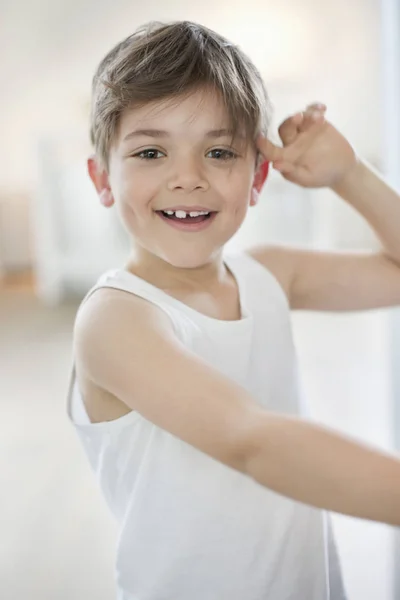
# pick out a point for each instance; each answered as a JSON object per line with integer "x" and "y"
{"x": 181, "y": 214}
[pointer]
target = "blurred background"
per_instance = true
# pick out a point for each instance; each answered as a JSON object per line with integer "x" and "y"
{"x": 57, "y": 537}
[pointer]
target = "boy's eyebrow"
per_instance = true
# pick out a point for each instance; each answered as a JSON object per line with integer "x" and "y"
{"x": 157, "y": 133}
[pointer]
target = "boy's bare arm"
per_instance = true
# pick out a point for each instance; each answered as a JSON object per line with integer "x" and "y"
{"x": 332, "y": 281}
{"x": 128, "y": 347}
{"x": 315, "y": 155}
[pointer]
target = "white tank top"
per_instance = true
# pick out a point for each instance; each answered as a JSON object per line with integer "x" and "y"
{"x": 191, "y": 528}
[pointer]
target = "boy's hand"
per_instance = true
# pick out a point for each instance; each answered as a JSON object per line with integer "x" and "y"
{"x": 314, "y": 153}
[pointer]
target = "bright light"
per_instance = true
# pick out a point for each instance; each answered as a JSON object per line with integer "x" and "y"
{"x": 283, "y": 46}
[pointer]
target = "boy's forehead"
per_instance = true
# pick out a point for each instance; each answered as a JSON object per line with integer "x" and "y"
{"x": 199, "y": 112}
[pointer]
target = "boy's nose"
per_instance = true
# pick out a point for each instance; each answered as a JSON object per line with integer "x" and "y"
{"x": 187, "y": 175}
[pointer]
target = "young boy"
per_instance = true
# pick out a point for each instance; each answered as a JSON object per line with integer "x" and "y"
{"x": 184, "y": 366}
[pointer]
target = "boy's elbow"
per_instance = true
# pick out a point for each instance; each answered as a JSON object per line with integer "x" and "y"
{"x": 249, "y": 443}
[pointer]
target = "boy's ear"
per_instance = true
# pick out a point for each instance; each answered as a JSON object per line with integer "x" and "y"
{"x": 99, "y": 176}
{"x": 259, "y": 180}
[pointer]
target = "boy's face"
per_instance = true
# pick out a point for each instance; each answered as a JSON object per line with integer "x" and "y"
{"x": 166, "y": 159}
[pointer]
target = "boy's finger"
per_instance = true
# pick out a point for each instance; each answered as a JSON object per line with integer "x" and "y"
{"x": 285, "y": 167}
{"x": 311, "y": 117}
{"x": 289, "y": 129}
{"x": 269, "y": 150}
{"x": 303, "y": 141}
{"x": 317, "y": 106}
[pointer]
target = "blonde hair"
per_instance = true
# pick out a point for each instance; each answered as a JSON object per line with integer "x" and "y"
{"x": 161, "y": 61}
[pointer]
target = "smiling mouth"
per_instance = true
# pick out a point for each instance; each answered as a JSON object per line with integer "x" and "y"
{"x": 183, "y": 221}
{"x": 181, "y": 216}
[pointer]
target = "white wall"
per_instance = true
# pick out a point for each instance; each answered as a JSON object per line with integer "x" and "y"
{"x": 391, "y": 130}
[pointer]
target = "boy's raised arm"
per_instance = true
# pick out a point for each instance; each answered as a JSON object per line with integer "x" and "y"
{"x": 127, "y": 346}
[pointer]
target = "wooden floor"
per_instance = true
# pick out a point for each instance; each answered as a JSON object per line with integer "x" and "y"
{"x": 18, "y": 281}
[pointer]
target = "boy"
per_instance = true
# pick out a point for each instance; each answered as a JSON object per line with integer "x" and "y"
{"x": 185, "y": 370}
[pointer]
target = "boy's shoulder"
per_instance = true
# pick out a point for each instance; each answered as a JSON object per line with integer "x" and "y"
{"x": 108, "y": 313}
{"x": 108, "y": 321}
{"x": 106, "y": 305}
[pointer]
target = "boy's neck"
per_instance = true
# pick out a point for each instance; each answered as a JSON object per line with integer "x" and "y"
{"x": 162, "y": 274}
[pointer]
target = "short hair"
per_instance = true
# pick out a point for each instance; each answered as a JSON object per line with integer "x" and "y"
{"x": 161, "y": 61}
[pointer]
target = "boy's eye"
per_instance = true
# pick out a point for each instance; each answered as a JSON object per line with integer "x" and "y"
{"x": 149, "y": 154}
{"x": 223, "y": 154}
{"x": 153, "y": 154}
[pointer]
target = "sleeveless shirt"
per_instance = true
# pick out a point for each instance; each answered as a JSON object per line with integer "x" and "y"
{"x": 189, "y": 527}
